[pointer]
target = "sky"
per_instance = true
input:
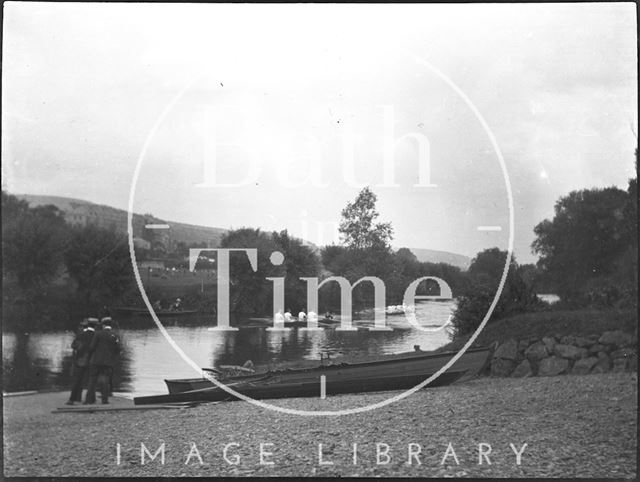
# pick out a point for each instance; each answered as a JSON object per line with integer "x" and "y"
{"x": 275, "y": 116}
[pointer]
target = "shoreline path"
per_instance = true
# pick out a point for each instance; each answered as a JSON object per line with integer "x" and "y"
{"x": 574, "y": 426}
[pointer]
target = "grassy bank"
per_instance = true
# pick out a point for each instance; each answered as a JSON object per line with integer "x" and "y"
{"x": 577, "y": 322}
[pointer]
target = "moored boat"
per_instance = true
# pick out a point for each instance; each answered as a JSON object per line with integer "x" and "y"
{"x": 391, "y": 372}
{"x": 189, "y": 384}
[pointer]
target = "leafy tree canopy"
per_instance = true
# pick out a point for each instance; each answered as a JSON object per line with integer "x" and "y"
{"x": 33, "y": 243}
{"x": 358, "y": 227}
{"x": 99, "y": 261}
{"x": 589, "y": 232}
{"x": 479, "y": 292}
{"x": 250, "y": 291}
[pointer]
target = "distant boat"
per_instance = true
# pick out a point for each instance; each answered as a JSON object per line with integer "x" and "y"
{"x": 548, "y": 298}
{"x": 295, "y": 322}
{"x": 390, "y": 372}
{"x": 130, "y": 311}
{"x": 399, "y": 309}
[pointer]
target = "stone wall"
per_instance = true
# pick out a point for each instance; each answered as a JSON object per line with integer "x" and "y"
{"x": 556, "y": 355}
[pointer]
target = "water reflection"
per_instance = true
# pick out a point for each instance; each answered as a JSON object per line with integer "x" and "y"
{"x": 43, "y": 360}
{"x": 40, "y": 361}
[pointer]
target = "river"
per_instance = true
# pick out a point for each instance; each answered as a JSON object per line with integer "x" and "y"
{"x": 39, "y": 361}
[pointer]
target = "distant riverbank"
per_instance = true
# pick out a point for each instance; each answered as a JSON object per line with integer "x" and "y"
{"x": 539, "y": 324}
{"x": 584, "y": 426}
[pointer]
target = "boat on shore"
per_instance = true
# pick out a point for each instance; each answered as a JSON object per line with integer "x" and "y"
{"x": 190, "y": 384}
{"x": 391, "y": 372}
{"x": 130, "y": 311}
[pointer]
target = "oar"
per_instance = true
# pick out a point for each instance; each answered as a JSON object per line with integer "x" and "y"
{"x": 237, "y": 367}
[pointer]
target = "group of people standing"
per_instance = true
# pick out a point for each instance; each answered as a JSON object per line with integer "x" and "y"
{"x": 96, "y": 348}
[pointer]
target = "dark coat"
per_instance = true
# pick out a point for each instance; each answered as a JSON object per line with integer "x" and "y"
{"x": 81, "y": 347}
{"x": 105, "y": 348}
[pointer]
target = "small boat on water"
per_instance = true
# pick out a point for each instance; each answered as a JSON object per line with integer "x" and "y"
{"x": 295, "y": 322}
{"x": 130, "y": 311}
{"x": 390, "y": 372}
{"x": 399, "y": 309}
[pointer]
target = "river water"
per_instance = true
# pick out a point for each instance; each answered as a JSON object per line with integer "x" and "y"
{"x": 38, "y": 361}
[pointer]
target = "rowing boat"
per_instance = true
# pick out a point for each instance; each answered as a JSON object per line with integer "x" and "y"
{"x": 296, "y": 323}
{"x": 390, "y": 372}
{"x": 144, "y": 312}
{"x": 189, "y": 384}
{"x": 227, "y": 374}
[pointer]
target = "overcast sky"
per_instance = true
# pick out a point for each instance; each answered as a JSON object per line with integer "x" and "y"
{"x": 300, "y": 105}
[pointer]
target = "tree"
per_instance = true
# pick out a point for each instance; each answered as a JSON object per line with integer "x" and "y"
{"x": 334, "y": 257}
{"x": 299, "y": 261}
{"x": 405, "y": 269}
{"x": 366, "y": 250}
{"x": 454, "y": 277}
{"x": 99, "y": 261}
{"x": 33, "y": 243}
{"x": 251, "y": 292}
{"x": 484, "y": 276}
{"x": 357, "y": 227}
{"x": 487, "y": 267}
{"x": 12, "y": 207}
{"x": 580, "y": 247}
{"x": 405, "y": 255}
{"x": 627, "y": 262}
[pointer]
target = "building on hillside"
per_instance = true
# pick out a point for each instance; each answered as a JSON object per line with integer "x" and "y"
{"x": 83, "y": 214}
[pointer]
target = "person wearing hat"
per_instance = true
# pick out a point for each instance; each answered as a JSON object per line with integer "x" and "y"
{"x": 113, "y": 325}
{"x": 80, "y": 366}
{"x": 104, "y": 350}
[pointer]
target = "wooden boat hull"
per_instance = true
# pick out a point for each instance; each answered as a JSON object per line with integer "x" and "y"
{"x": 393, "y": 372}
{"x": 189, "y": 384}
{"x": 186, "y": 385}
{"x": 308, "y": 389}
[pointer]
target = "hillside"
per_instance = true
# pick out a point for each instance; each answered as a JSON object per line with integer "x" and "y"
{"x": 434, "y": 256}
{"x": 77, "y": 211}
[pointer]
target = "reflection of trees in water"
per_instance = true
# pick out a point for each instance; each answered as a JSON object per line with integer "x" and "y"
{"x": 312, "y": 340}
{"x": 29, "y": 360}
{"x": 28, "y": 369}
{"x": 122, "y": 376}
{"x": 261, "y": 347}
{"x": 24, "y": 371}
{"x": 295, "y": 346}
{"x": 358, "y": 344}
{"x": 240, "y": 346}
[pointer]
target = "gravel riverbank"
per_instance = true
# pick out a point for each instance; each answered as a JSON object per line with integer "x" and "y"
{"x": 577, "y": 426}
